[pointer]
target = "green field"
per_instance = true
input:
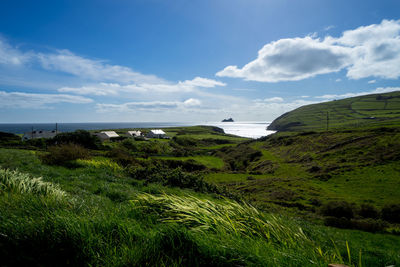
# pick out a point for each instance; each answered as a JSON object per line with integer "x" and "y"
{"x": 203, "y": 198}
{"x": 361, "y": 111}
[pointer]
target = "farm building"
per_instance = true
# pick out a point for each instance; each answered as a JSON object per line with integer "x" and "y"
{"x": 134, "y": 133}
{"x": 39, "y": 134}
{"x": 156, "y": 134}
{"x": 106, "y": 135}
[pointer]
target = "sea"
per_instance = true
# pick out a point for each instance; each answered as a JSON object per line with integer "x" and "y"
{"x": 244, "y": 129}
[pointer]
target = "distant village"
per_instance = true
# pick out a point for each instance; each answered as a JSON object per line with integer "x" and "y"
{"x": 103, "y": 135}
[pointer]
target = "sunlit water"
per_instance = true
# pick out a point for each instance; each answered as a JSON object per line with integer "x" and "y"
{"x": 244, "y": 129}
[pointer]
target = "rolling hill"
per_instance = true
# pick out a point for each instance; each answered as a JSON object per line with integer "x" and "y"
{"x": 367, "y": 110}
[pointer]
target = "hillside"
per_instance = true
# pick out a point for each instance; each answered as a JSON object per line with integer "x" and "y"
{"x": 367, "y": 110}
{"x": 201, "y": 198}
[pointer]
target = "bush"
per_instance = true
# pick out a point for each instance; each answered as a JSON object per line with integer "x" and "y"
{"x": 64, "y": 155}
{"x": 391, "y": 213}
{"x": 369, "y": 225}
{"x": 368, "y": 211}
{"x": 342, "y": 223}
{"x": 79, "y": 137}
{"x": 337, "y": 209}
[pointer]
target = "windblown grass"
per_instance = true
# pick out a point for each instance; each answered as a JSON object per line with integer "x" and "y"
{"x": 17, "y": 182}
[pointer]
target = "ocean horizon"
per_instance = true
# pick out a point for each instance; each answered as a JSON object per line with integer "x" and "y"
{"x": 251, "y": 129}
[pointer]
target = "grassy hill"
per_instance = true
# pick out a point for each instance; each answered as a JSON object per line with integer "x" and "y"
{"x": 201, "y": 198}
{"x": 375, "y": 109}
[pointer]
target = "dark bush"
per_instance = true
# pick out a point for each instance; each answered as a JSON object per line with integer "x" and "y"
{"x": 337, "y": 209}
{"x": 79, "y": 137}
{"x": 368, "y": 211}
{"x": 189, "y": 165}
{"x": 40, "y": 143}
{"x": 368, "y": 225}
{"x": 343, "y": 223}
{"x": 123, "y": 157}
{"x": 64, "y": 154}
{"x": 171, "y": 177}
{"x": 391, "y": 213}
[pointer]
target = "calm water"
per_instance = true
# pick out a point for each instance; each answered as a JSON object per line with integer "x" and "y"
{"x": 245, "y": 129}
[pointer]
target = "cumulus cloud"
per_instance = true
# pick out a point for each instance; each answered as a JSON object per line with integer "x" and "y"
{"x": 115, "y": 88}
{"x": 368, "y": 51}
{"x": 379, "y": 90}
{"x": 29, "y": 100}
{"x": 291, "y": 60}
{"x": 151, "y": 106}
{"x": 372, "y": 81}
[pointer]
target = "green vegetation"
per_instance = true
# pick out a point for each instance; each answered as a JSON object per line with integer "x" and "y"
{"x": 202, "y": 198}
{"x": 369, "y": 110}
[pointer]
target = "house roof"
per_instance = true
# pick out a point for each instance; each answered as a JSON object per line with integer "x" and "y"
{"x": 110, "y": 134}
{"x": 157, "y": 131}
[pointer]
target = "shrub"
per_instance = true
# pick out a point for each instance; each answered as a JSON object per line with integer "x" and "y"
{"x": 368, "y": 211}
{"x": 369, "y": 225}
{"x": 391, "y": 213}
{"x": 337, "y": 209}
{"x": 79, "y": 137}
{"x": 343, "y": 223}
{"x": 64, "y": 154}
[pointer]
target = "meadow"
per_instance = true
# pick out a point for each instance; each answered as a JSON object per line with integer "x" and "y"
{"x": 202, "y": 198}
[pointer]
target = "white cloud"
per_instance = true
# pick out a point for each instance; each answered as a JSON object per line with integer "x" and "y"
{"x": 372, "y": 81}
{"x": 379, "y": 90}
{"x": 291, "y": 60}
{"x": 115, "y": 88}
{"x": 368, "y": 51}
{"x": 151, "y": 106}
{"x": 10, "y": 55}
{"x": 338, "y": 80}
{"x": 192, "y": 102}
{"x": 68, "y": 62}
{"x": 29, "y": 100}
{"x": 274, "y": 99}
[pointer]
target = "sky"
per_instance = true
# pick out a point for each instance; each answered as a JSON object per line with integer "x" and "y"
{"x": 190, "y": 61}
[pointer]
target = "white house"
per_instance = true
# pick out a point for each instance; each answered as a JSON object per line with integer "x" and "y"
{"x": 134, "y": 133}
{"x": 106, "y": 135}
{"x": 156, "y": 134}
{"x": 39, "y": 134}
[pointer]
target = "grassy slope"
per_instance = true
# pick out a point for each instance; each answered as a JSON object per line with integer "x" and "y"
{"x": 96, "y": 224}
{"x": 304, "y": 170}
{"x": 345, "y": 113}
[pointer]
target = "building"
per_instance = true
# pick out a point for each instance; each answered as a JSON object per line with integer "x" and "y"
{"x": 106, "y": 135}
{"x": 39, "y": 134}
{"x": 134, "y": 133}
{"x": 156, "y": 134}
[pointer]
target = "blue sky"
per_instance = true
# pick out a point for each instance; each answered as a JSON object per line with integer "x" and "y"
{"x": 190, "y": 61}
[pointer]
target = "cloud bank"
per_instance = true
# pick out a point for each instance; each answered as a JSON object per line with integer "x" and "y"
{"x": 368, "y": 51}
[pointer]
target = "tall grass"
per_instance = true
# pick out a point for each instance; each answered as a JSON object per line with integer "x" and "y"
{"x": 17, "y": 182}
{"x": 225, "y": 217}
{"x": 242, "y": 220}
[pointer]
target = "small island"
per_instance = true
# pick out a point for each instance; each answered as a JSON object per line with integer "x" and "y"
{"x": 227, "y": 120}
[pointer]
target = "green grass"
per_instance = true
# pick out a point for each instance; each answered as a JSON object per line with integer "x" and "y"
{"x": 106, "y": 218}
{"x": 208, "y": 161}
{"x": 352, "y": 112}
